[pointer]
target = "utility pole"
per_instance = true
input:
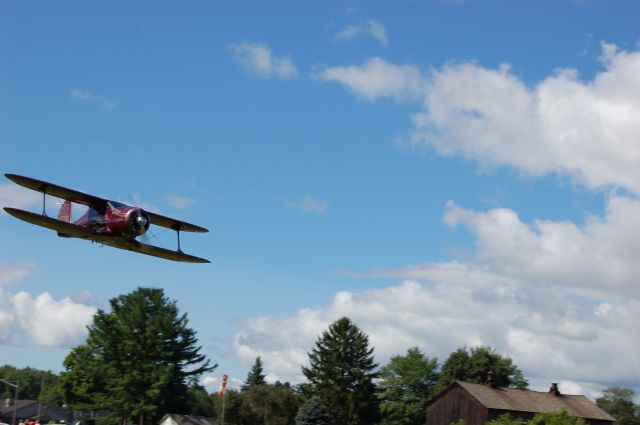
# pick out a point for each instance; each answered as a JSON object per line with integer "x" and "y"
{"x": 40, "y": 399}
{"x": 15, "y": 399}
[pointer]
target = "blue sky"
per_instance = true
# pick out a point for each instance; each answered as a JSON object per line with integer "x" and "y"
{"x": 446, "y": 173}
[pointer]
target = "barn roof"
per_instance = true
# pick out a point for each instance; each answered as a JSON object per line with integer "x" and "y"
{"x": 534, "y": 401}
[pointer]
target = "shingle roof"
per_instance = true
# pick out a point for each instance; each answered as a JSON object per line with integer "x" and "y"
{"x": 190, "y": 419}
{"x": 534, "y": 401}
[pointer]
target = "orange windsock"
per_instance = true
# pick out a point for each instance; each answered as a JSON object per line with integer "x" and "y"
{"x": 224, "y": 385}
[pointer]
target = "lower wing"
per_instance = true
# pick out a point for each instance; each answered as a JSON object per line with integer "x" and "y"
{"x": 72, "y": 230}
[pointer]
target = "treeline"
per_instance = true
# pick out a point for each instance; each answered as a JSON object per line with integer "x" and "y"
{"x": 141, "y": 360}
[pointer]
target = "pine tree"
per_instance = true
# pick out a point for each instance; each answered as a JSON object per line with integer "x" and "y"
{"x": 255, "y": 376}
{"x": 341, "y": 374}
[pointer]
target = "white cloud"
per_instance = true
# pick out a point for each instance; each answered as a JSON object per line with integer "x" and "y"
{"x": 377, "y": 79}
{"x": 602, "y": 256}
{"x": 46, "y": 321}
{"x": 257, "y": 58}
{"x": 370, "y": 27}
{"x": 101, "y": 101}
{"x": 309, "y": 204}
{"x": 587, "y": 130}
{"x": 179, "y": 202}
{"x": 50, "y": 322}
{"x": 12, "y": 195}
{"x": 558, "y": 298}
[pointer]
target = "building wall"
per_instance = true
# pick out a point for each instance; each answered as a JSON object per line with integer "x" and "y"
{"x": 454, "y": 405}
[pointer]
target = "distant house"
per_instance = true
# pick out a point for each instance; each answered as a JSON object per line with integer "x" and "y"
{"x": 478, "y": 403}
{"x": 173, "y": 419}
{"x": 32, "y": 409}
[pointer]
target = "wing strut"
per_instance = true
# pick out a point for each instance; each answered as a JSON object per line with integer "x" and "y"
{"x": 176, "y": 227}
{"x": 44, "y": 200}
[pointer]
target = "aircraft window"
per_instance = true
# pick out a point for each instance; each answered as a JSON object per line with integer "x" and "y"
{"x": 115, "y": 204}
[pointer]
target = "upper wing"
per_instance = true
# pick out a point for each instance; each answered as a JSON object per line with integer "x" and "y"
{"x": 59, "y": 191}
{"x": 97, "y": 202}
{"x": 172, "y": 223}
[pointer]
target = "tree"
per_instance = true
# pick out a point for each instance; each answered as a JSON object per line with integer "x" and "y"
{"x": 259, "y": 405}
{"x": 199, "y": 402}
{"x": 268, "y": 405}
{"x": 138, "y": 361}
{"x": 506, "y": 419}
{"x": 562, "y": 418}
{"x": 232, "y": 404}
{"x": 341, "y": 374}
{"x": 405, "y": 385}
{"x": 618, "y": 402}
{"x": 255, "y": 376}
{"x": 313, "y": 412}
{"x": 34, "y": 384}
{"x": 474, "y": 365}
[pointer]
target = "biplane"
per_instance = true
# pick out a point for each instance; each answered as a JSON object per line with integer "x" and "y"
{"x": 105, "y": 222}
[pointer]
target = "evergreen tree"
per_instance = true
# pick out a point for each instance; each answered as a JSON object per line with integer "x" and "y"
{"x": 618, "y": 402}
{"x": 341, "y": 374}
{"x": 138, "y": 360}
{"x": 405, "y": 385}
{"x": 474, "y": 365}
{"x": 255, "y": 376}
{"x": 313, "y": 412}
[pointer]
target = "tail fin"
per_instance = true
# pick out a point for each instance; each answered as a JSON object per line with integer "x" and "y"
{"x": 65, "y": 212}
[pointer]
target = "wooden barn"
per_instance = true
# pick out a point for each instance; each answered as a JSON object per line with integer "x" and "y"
{"x": 478, "y": 403}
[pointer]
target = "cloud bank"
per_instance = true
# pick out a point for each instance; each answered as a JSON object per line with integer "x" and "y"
{"x": 558, "y": 298}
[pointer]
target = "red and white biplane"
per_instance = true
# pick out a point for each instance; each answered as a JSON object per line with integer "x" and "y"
{"x": 106, "y": 222}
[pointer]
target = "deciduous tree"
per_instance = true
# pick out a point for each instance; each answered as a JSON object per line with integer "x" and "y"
{"x": 474, "y": 365}
{"x": 138, "y": 360}
{"x": 405, "y": 385}
{"x": 618, "y": 402}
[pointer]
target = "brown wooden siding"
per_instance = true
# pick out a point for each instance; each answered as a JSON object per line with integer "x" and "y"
{"x": 456, "y": 404}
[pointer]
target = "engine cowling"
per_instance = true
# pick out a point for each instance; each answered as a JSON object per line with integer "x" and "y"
{"x": 137, "y": 221}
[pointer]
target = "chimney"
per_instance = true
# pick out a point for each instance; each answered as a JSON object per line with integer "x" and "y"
{"x": 554, "y": 389}
{"x": 490, "y": 380}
